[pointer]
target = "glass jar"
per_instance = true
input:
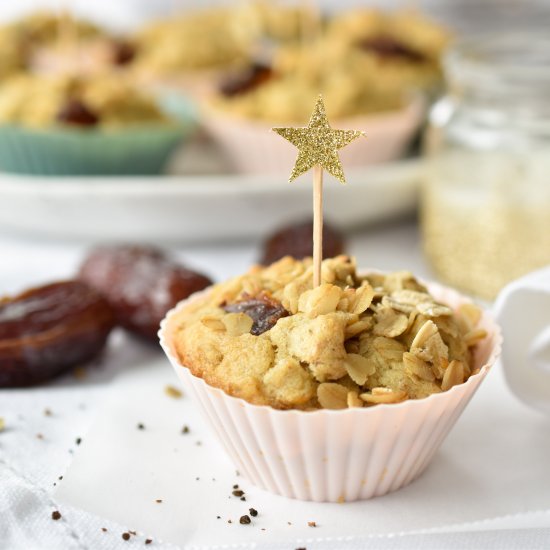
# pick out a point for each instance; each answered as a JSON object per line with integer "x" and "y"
{"x": 486, "y": 202}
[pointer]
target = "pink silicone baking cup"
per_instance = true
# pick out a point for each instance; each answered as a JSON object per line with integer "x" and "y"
{"x": 336, "y": 455}
{"x": 254, "y": 149}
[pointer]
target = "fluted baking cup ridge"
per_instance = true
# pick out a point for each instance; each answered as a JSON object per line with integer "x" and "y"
{"x": 254, "y": 149}
{"x": 336, "y": 455}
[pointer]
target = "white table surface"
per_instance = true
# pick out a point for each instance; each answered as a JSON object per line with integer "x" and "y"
{"x": 30, "y": 465}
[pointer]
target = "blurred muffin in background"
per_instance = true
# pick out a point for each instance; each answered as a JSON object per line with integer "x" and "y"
{"x": 43, "y": 102}
{"x": 405, "y": 46}
{"x": 83, "y": 125}
{"x": 283, "y": 22}
{"x": 367, "y": 62}
{"x": 13, "y": 57}
{"x": 42, "y": 27}
{"x": 49, "y": 43}
{"x": 22, "y": 39}
{"x": 193, "y": 44}
{"x": 372, "y": 69}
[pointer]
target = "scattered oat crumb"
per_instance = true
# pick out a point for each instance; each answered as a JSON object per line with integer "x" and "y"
{"x": 126, "y": 536}
{"x": 79, "y": 373}
{"x": 141, "y": 426}
{"x": 173, "y": 392}
{"x": 56, "y": 515}
{"x": 48, "y": 412}
{"x": 148, "y": 541}
{"x": 253, "y": 512}
{"x": 185, "y": 430}
{"x": 245, "y": 520}
{"x": 311, "y": 524}
{"x": 158, "y": 501}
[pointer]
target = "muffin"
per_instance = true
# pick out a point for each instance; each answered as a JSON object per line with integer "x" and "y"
{"x": 373, "y": 68}
{"x": 283, "y": 22}
{"x": 82, "y": 125}
{"x": 405, "y": 47}
{"x": 240, "y": 112}
{"x": 372, "y": 369}
{"x": 186, "y": 51}
{"x": 13, "y": 55}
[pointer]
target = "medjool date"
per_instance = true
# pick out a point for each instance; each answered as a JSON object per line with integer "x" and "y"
{"x": 46, "y": 330}
{"x": 297, "y": 241}
{"x": 246, "y": 80}
{"x": 75, "y": 113}
{"x": 388, "y": 47}
{"x": 140, "y": 283}
{"x": 263, "y": 310}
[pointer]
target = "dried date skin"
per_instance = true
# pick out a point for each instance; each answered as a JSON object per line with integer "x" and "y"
{"x": 246, "y": 80}
{"x": 388, "y": 47}
{"x": 75, "y": 113}
{"x": 297, "y": 241}
{"x": 123, "y": 52}
{"x": 47, "y": 330}
{"x": 140, "y": 283}
{"x": 263, "y": 310}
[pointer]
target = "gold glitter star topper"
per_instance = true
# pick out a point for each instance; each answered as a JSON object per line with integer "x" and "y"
{"x": 318, "y": 146}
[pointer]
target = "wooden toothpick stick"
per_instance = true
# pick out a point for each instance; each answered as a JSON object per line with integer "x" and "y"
{"x": 317, "y": 223}
{"x": 318, "y": 146}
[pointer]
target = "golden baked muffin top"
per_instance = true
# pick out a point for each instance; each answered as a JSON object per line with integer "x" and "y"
{"x": 363, "y": 61}
{"x": 270, "y": 338}
{"x": 108, "y": 100}
{"x": 208, "y": 38}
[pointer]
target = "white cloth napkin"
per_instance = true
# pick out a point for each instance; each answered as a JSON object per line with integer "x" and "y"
{"x": 493, "y": 464}
{"x": 523, "y": 311}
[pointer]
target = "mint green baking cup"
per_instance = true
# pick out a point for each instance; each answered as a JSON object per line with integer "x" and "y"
{"x": 143, "y": 149}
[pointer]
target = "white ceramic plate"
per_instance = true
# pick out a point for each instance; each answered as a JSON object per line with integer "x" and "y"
{"x": 196, "y": 208}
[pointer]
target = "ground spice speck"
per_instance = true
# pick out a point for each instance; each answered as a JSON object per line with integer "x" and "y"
{"x": 56, "y": 515}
